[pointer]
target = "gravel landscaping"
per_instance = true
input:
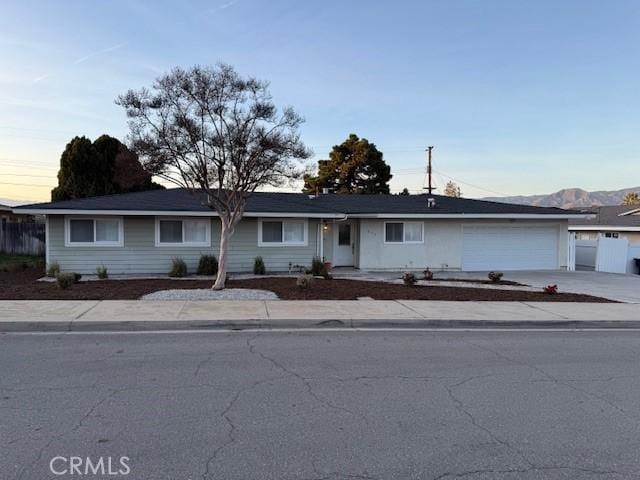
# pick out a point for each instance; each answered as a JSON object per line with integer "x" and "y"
{"x": 208, "y": 294}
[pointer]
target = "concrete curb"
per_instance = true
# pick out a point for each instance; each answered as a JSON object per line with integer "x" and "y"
{"x": 303, "y": 324}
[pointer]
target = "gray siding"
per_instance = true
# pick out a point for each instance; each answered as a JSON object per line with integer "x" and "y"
{"x": 139, "y": 254}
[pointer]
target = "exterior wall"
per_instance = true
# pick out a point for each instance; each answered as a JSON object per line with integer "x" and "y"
{"x": 139, "y": 254}
{"x": 442, "y": 247}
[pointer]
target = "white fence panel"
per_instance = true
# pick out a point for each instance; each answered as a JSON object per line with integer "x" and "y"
{"x": 612, "y": 255}
{"x": 571, "y": 252}
{"x": 586, "y": 254}
{"x": 634, "y": 252}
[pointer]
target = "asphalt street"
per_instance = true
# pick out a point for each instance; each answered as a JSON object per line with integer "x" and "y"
{"x": 323, "y": 405}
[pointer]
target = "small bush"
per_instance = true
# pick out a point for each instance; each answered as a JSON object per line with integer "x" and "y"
{"x": 258, "y": 266}
{"x": 428, "y": 274}
{"x": 66, "y": 279}
{"x": 304, "y": 282}
{"x": 318, "y": 268}
{"x": 101, "y": 271}
{"x": 550, "y": 289}
{"x": 409, "y": 279}
{"x": 208, "y": 265}
{"x": 495, "y": 277}
{"x": 38, "y": 263}
{"x": 178, "y": 268}
{"x": 16, "y": 267}
{"x": 53, "y": 270}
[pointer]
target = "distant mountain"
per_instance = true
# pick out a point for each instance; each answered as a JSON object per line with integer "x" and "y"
{"x": 569, "y": 198}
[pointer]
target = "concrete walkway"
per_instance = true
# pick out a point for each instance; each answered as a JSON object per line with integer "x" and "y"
{"x": 137, "y": 315}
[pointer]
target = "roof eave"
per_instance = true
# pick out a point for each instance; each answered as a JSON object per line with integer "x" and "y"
{"x": 596, "y": 228}
{"x": 202, "y": 213}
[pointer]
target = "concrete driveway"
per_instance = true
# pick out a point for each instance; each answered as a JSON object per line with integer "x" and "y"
{"x": 623, "y": 288}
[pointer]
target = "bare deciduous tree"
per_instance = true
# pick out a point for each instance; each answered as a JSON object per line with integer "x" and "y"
{"x": 452, "y": 190}
{"x": 217, "y": 134}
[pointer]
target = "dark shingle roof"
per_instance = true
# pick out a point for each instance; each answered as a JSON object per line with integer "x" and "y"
{"x": 178, "y": 199}
{"x": 611, "y": 216}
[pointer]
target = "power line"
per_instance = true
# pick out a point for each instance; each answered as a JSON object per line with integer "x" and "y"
{"x": 26, "y": 185}
{"x": 471, "y": 184}
{"x": 22, "y": 162}
{"x": 23, "y": 175}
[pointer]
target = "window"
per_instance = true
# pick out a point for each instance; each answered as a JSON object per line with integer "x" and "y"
{"x": 403, "y": 232}
{"x": 94, "y": 232}
{"x": 611, "y": 234}
{"x": 187, "y": 232}
{"x": 274, "y": 233}
{"x": 344, "y": 234}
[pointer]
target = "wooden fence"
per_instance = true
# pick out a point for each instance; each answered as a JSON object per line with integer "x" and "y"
{"x": 22, "y": 238}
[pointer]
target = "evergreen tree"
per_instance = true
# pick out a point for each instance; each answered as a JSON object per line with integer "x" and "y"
{"x": 355, "y": 166}
{"x": 103, "y": 167}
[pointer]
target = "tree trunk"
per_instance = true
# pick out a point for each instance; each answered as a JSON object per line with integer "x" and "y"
{"x": 225, "y": 235}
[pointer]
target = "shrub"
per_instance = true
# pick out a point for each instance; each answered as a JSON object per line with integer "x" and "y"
{"x": 258, "y": 266}
{"x": 101, "y": 271}
{"x": 77, "y": 276}
{"x": 38, "y": 262}
{"x": 53, "y": 270}
{"x": 409, "y": 279}
{"x": 304, "y": 282}
{"x": 495, "y": 277}
{"x": 318, "y": 268}
{"x": 16, "y": 267}
{"x": 65, "y": 279}
{"x": 208, "y": 265}
{"x": 428, "y": 274}
{"x": 178, "y": 267}
{"x": 550, "y": 289}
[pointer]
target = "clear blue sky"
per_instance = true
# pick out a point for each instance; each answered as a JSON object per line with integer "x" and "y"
{"x": 518, "y": 97}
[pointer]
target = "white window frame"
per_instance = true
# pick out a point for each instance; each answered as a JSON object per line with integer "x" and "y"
{"x": 403, "y": 242}
{"x": 67, "y": 232}
{"x": 304, "y": 222}
{"x": 206, "y": 243}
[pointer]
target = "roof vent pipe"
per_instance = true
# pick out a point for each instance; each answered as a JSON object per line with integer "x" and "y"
{"x": 431, "y": 202}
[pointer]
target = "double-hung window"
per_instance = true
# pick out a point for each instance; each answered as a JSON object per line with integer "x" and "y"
{"x": 275, "y": 233}
{"x": 403, "y": 232}
{"x": 189, "y": 232}
{"x": 94, "y": 232}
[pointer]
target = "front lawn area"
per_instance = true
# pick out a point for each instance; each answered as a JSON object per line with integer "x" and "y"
{"x": 23, "y": 285}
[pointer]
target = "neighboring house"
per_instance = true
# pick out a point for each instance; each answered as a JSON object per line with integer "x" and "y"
{"x": 8, "y": 216}
{"x": 617, "y": 221}
{"x": 141, "y": 232}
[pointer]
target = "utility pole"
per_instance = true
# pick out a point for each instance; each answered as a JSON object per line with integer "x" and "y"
{"x": 430, "y": 187}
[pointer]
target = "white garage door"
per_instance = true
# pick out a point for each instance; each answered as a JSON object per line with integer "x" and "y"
{"x": 509, "y": 248}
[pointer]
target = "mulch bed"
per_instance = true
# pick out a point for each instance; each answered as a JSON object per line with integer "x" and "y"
{"x": 23, "y": 285}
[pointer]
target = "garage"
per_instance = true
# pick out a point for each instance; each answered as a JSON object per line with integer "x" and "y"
{"x": 509, "y": 248}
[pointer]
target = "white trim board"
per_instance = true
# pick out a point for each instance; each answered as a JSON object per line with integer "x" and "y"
{"x": 597, "y": 228}
{"x": 151, "y": 213}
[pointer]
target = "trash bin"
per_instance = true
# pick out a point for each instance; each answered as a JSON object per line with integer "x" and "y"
{"x": 637, "y": 260}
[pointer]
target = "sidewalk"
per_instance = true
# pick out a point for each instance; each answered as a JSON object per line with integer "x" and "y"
{"x": 84, "y": 315}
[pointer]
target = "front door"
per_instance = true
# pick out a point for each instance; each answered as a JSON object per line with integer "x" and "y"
{"x": 344, "y": 245}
